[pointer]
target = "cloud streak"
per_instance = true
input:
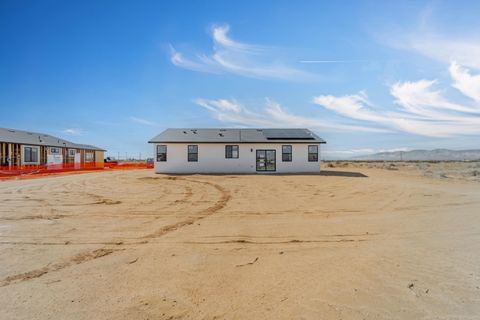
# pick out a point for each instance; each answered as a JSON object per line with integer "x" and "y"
{"x": 271, "y": 114}
{"x": 464, "y": 82}
{"x": 426, "y": 40}
{"x": 441, "y": 48}
{"x": 332, "y": 61}
{"x": 421, "y": 108}
{"x": 233, "y": 57}
{"x": 143, "y": 121}
{"x": 73, "y": 131}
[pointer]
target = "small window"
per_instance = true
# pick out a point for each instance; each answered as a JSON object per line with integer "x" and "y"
{"x": 313, "y": 153}
{"x": 88, "y": 157}
{"x": 162, "y": 153}
{"x": 30, "y": 154}
{"x": 72, "y": 152}
{"x": 287, "y": 153}
{"x": 192, "y": 153}
{"x": 231, "y": 152}
{"x": 54, "y": 150}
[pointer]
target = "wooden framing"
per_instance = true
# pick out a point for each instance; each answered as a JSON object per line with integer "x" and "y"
{"x": 4, "y": 154}
{"x": 11, "y": 155}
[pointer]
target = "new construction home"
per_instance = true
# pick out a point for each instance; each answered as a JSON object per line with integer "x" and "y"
{"x": 237, "y": 151}
{"x": 23, "y": 148}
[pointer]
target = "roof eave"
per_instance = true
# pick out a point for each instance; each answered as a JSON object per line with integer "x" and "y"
{"x": 273, "y": 142}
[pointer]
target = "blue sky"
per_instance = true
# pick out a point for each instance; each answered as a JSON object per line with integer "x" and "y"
{"x": 367, "y": 76}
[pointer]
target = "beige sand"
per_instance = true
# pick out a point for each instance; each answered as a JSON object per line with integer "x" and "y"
{"x": 134, "y": 245}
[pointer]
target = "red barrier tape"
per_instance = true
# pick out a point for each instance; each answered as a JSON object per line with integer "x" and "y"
{"x": 7, "y": 172}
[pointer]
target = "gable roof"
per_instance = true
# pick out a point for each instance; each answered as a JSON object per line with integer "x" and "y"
{"x": 40, "y": 139}
{"x": 280, "y": 135}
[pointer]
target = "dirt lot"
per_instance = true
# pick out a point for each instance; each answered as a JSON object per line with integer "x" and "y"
{"x": 352, "y": 243}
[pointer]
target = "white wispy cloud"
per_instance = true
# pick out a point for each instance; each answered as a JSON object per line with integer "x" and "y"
{"x": 354, "y": 106}
{"x": 421, "y": 98}
{"x": 73, "y": 131}
{"x": 143, "y": 121}
{"x": 332, "y": 61}
{"x": 421, "y": 108}
{"x": 231, "y": 56}
{"x": 464, "y": 82}
{"x": 443, "y": 48}
{"x": 424, "y": 37}
{"x": 271, "y": 114}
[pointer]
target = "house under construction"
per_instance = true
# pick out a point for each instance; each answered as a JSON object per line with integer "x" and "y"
{"x": 24, "y": 148}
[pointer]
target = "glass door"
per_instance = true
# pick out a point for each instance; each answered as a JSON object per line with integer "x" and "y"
{"x": 266, "y": 160}
{"x": 261, "y": 160}
{"x": 271, "y": 164}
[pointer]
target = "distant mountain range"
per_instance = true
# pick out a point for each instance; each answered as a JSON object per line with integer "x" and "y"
{"x": 424, "y": 155}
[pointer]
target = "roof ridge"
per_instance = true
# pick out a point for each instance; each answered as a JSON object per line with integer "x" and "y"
{"x": 38, "y": 138}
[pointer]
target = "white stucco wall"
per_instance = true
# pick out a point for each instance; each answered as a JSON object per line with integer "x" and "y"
{"x": 211, "y": 159}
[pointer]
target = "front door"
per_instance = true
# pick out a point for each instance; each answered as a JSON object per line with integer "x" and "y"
{"x": 266, "y": 160}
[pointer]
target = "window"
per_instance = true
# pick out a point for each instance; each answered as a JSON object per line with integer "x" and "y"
{"x": 88, "y": 156}
{"x": 54, "y": 150}
{"x": 287, "y": 153}
{"x": 231, "y": 152}
{"x": 192, "y": 153}
{"x": 313, "y": 153}
{"x": 162, "y": 153}
{"x": 30, "y": 154}
{"x": 72, "y": 152}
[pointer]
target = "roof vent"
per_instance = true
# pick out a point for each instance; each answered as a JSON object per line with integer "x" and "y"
{"x": 184, "y": 132}
{"x": 223, "y": 130}
{"x": 220, "y": 134}
{"x": 11, "y": 130}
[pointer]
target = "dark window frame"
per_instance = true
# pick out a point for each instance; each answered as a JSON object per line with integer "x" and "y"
{"x": 312, "y": 156}
{"x": 287, "y": 156}
{"x": 265, "y": 167}
{"x": 230, "y": 155}
{"x": 161, "y": 156}
{"x": 192, "y": 156}
{"x": 28, "y": 156}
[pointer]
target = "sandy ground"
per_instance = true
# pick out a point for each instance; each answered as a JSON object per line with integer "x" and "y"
{"x": 353, "y": 243}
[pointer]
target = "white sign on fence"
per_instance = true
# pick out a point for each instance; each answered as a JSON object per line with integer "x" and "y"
{"x": 54, "y": 160}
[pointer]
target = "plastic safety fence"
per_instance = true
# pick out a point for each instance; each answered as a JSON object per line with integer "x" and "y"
{"x": 127, "y": 165}
{"x": 45, "y": 170}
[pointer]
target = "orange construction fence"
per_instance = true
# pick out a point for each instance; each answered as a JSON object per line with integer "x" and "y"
{"x": 42, "y": 170}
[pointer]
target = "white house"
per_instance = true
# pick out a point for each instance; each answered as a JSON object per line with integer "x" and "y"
{"x": 237, "y": 151}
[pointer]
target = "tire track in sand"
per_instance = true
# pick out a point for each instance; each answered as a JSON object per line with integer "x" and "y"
{"x": 101, "y": 252}
{"x": 77, "y": 259}
{"x": 220, "y": 204}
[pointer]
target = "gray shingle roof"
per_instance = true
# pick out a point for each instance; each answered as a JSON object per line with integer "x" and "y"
{"x": 39, "y": 139}
{"x": 287, "y": 135}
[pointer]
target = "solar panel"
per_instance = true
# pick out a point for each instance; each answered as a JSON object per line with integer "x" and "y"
{"x": 287, "y": 134}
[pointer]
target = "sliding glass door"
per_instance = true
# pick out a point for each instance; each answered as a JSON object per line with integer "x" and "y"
{"x": 266, "y": 160}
